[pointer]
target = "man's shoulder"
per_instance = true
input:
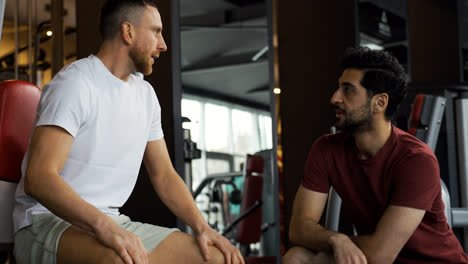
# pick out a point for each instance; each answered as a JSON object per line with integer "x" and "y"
{"x": 82, "y": 66}
{"x": 411, "y": 150}
{"x": 75, "y": 80}
{"x": 80, "y": 73}
{"x": 137, "y": 79}
{"x": 142, "y": 86}
{"x": 329, "y": 143}
{"x": 411, "y": 144}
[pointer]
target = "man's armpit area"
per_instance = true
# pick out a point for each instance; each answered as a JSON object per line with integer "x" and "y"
{"x": 315, "y": 188}
{"x": 418, "y": 204}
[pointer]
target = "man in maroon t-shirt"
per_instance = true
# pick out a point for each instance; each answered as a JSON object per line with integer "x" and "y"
{"x": 389, "y": 180}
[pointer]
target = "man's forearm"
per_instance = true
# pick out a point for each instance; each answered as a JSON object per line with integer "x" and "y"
{"x": 175, "y": 195}
{"x": 57, "y": 196}
{"x": 372, "y": 250}
{"x": 309, "y": 234}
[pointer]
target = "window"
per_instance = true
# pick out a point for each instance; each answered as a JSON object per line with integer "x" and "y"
{"x": 217, "y": 128}
{"x": 225, "y": 133}
{"x": 245, "y": 132}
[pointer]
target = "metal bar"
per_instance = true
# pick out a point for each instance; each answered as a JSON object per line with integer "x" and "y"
{"x": 274, "y": 247}
{"x": 241, "y": 217}
{"x": 16, "y": 18}
{"x": 213, "y": 177}
{"x": 57, "y": 38}
{"x": 459, "y": 217}
{"x": 260, "y": 53}
{"x": 2, "y": 13}
{"x": 446, "y": 200}
{"x": 30, "y": 41}
{"x": 462, "y": 140}
{"x": 37, "y": 43}
{"x": 436, "y": 110}
{"x": 332, "y": 217}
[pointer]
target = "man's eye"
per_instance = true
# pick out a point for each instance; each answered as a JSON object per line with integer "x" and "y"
{"x": 348, "y": 90}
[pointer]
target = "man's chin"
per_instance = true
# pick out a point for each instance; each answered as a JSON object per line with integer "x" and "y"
{"x": 338, "y": 124}
{"x": 147, "y": 71}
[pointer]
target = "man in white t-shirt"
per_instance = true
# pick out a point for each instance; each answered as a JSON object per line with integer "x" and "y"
{"x": 96, "y": 122}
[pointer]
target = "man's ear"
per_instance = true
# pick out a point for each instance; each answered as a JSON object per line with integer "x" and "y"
{"x": 127, "y": 32}
{"x": 380, "y": 102}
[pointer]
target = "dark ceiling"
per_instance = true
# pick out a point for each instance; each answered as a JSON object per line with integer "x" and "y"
{"x": 224, "y": 43}
{"x": 224, "y": 46}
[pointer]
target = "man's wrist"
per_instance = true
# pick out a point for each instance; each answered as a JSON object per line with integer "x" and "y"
{"x": 198, "y": 223}
{"x": 201, "y": 227}
{"x": 100, "y": 223}
{"x": 336, "y": 239}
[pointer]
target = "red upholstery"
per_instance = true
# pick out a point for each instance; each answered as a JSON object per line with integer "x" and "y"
{"x": 254, "y": 164}
{"x": 249, "y": 229}
{"x": 417, "y": 110}
{"x": 18, "y": 103}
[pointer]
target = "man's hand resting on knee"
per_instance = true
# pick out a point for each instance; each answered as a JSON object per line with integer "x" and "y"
{"x": 209, "y": 237}
{"x": 345, "y": 251}
{"x": 126, "y": 244}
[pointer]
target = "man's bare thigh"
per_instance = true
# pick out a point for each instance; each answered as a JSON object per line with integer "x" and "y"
{"x": 80, "y": 247}
{"x": 179, "y": 247}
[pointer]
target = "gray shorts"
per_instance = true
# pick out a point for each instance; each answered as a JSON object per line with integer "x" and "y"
{"x": 38, "y": 242}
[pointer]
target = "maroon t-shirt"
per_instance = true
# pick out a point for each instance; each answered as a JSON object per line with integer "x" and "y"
{"x": 405, "y": 172}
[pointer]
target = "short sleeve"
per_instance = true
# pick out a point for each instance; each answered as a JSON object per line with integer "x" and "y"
{"x": 416, "y": 182}
{"x": 156, "y": 131}
{"x": 64, "y": 103}
{"x": 315, "y": 172}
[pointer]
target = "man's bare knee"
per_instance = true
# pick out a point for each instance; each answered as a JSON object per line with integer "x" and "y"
{"x": 295, "y": 255}
{"x": 110, "y": 256}
{"x": 216, "y": 256}
{"x": 300, "y": 255}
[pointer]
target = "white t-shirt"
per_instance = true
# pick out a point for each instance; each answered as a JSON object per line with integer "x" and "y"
{"x": 111, "y": 122}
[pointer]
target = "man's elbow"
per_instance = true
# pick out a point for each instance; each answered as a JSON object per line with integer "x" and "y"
{"x": 379, "y": 257}
{"x": 294, "y": 234}
{"x": 30, "y": 183}
{"x": 28, "y": 186}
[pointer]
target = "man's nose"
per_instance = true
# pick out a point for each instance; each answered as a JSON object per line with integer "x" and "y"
{"x": 336, "y": 97}
{"x": 162, "y": 44}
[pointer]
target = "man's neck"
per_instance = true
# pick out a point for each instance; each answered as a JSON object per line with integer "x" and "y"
{"x": 116, "y": 59}
{"x": 370, "y": 142}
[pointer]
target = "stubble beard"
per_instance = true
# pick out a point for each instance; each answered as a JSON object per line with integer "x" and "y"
{"x": 359, "y": 120}
{"x": 142, "y": 63}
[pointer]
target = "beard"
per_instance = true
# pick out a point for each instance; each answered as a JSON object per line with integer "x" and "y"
{"x": 359, "y": 120}
{"x": 142, "y": 63}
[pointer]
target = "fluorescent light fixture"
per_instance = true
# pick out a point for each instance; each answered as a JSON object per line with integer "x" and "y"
{"x": 260, "y": 53}
{"x": 372, "y": 46}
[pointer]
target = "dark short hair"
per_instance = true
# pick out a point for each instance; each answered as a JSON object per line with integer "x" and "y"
{"x": 382, "y": 74}
{"x": 116, "y": 12}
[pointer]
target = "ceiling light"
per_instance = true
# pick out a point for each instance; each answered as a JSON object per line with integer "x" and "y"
{"x": 260, "y": 53}
{"x": 277, "y": 90}
{"x": 49, "y": 33}
{"x": 373, "y": 46}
